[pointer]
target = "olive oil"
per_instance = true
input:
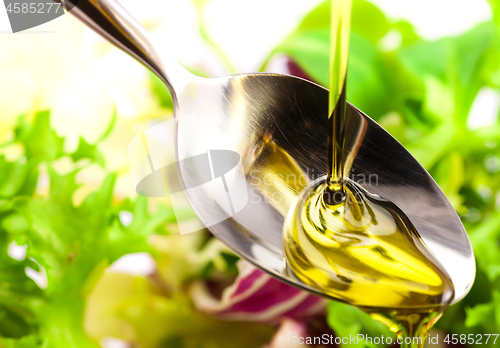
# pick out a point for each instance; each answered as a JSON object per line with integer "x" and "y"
{"x": 355, "y": 246}
{"x": 365, "y": 252}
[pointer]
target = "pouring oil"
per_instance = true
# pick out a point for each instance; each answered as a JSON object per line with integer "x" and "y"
{"x": 356, "y": 246}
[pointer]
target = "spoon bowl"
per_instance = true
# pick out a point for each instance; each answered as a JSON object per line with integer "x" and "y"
{"x": 276, "y": 124}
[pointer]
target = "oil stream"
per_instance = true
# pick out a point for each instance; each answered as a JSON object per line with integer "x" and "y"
{"x": 355, "y": 246}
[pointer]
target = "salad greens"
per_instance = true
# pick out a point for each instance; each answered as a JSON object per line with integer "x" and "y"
{"x": 69, "y": 245}
{"x": 56, "y": 244}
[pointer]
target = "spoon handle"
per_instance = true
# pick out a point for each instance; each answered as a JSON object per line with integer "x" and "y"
{"x": 109, "y": 19}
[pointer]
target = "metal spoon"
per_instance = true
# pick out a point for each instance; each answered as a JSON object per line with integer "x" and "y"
{"x": 277, "y": 125}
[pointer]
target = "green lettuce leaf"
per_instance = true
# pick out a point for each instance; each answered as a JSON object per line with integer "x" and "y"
{"x": 349, "y": 321}
{"x": 68, "y": 245}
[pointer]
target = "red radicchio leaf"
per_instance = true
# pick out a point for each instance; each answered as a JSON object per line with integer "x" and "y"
{"x": 256, "y": 296}
{"x": 295, "y": 70}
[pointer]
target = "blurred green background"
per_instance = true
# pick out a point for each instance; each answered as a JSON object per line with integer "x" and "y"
{"x": 68, "y": 209}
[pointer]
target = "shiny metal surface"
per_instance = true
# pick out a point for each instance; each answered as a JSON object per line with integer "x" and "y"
{"x": 277, "y": 124}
